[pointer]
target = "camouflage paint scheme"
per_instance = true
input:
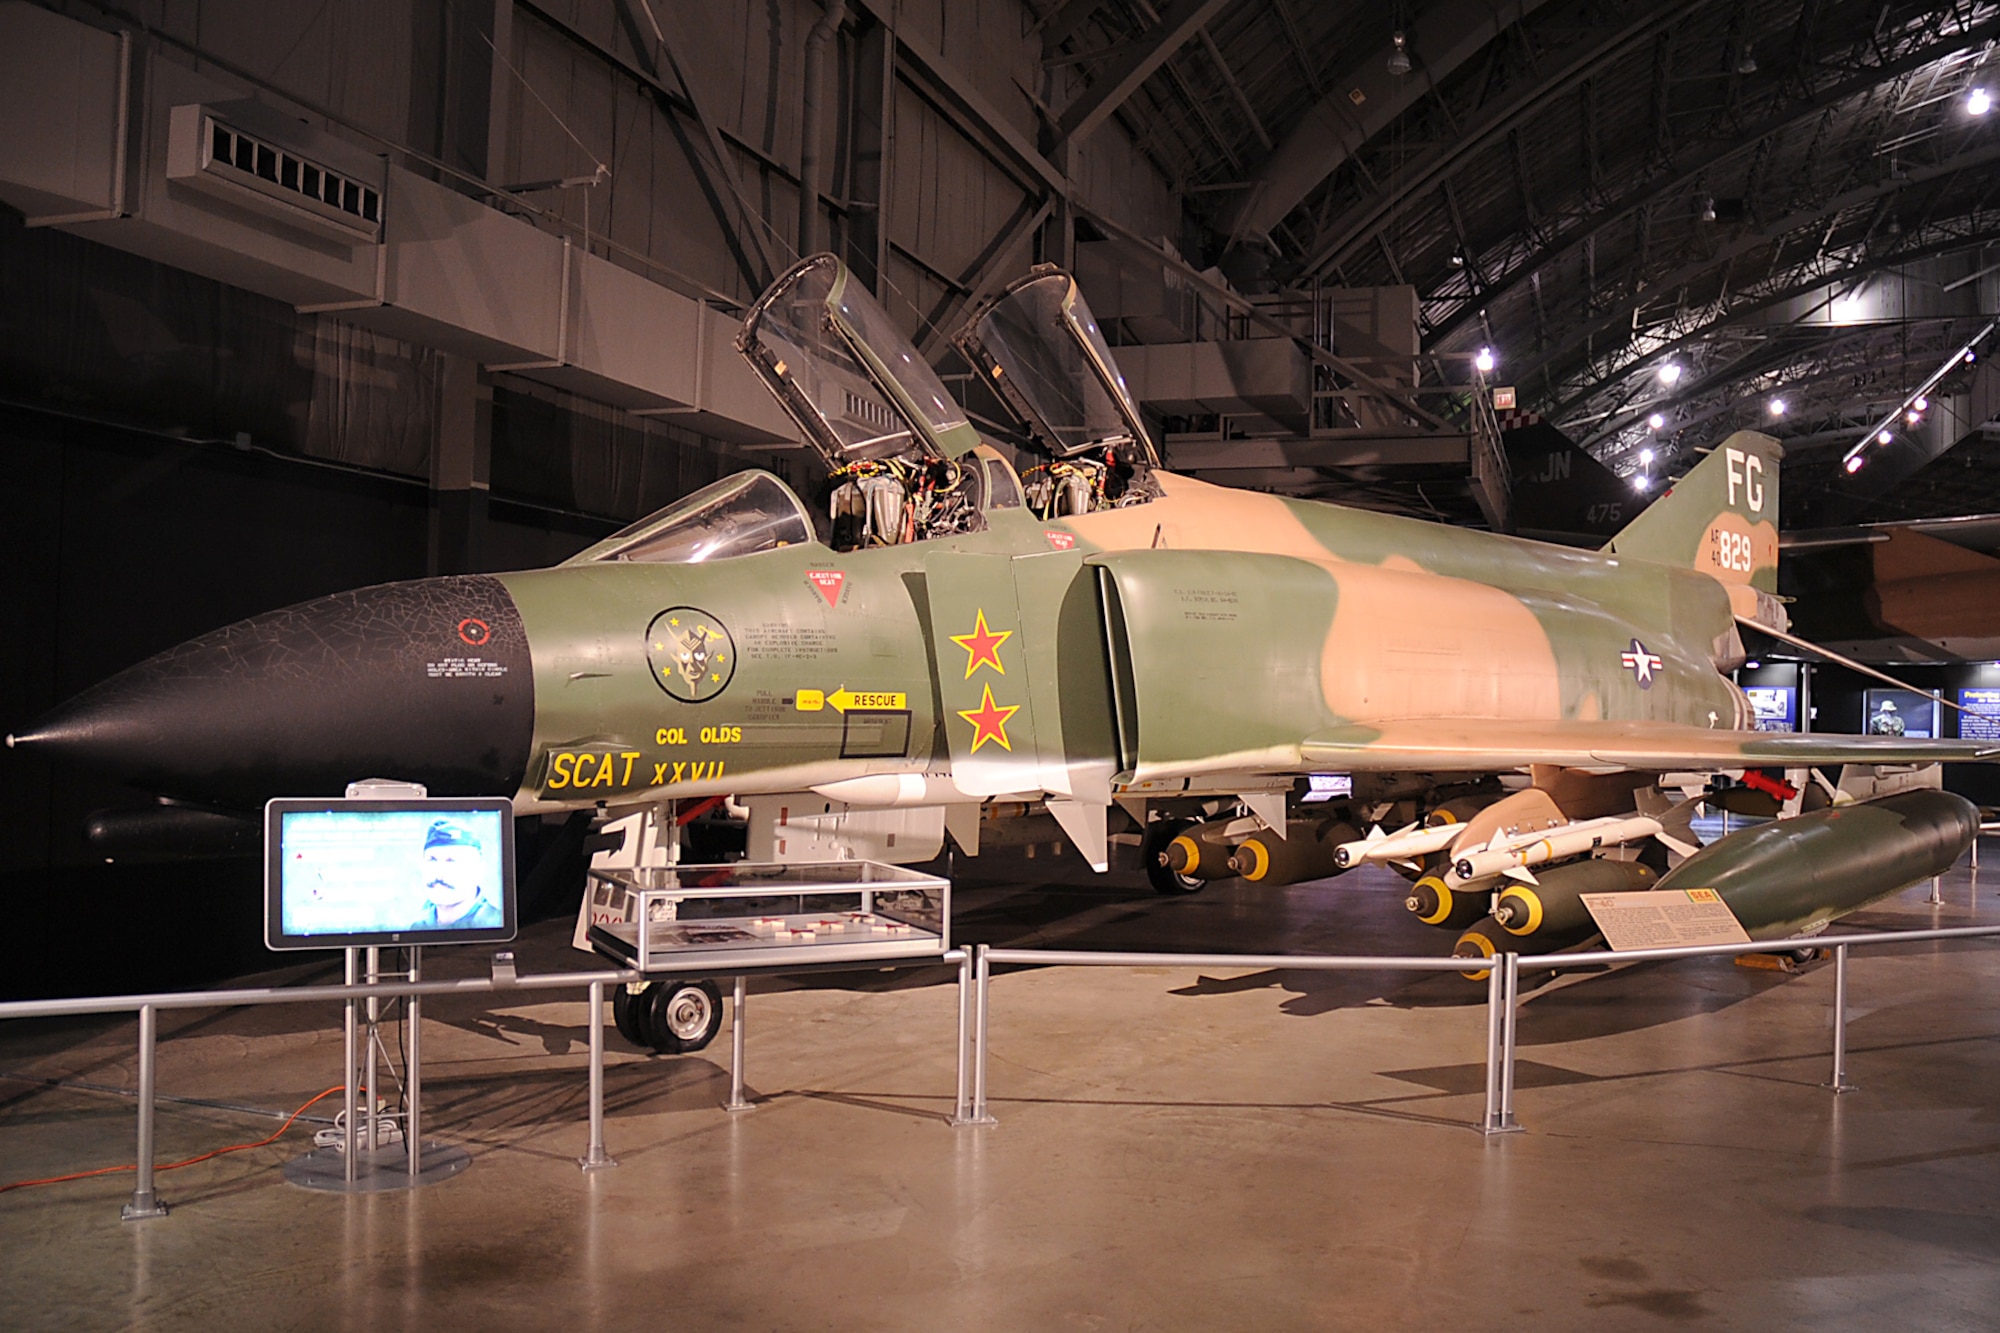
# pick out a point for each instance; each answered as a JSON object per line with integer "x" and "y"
{"x": 1208, "y": 634}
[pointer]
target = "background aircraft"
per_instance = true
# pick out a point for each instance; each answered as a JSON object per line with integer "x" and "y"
{"x": 1255, "y": 684}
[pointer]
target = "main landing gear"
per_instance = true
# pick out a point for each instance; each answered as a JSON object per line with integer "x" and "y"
{"x": 672, "y": 1017}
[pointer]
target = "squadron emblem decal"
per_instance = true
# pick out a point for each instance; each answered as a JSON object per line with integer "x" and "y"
{"x": 691, "y": 654}
{"x": 1641, "y": 663}
{"x": 982, "y": 647}
{"x": 989, "y": 721}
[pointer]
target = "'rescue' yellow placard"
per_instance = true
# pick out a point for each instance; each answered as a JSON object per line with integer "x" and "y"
{"x": 842, "y": 699}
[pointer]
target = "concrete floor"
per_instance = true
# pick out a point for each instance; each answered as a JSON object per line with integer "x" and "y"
{"x": 1271, "y": 1150}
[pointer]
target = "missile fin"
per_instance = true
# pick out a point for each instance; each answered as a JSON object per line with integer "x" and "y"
{"x": 1677, "y": 846}
{"x": 1521, "y": 873}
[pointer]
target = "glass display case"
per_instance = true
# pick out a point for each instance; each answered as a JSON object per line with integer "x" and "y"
{"x": 695, "y": 920}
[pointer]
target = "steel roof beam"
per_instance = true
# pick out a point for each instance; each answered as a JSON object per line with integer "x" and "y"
{"x": 1442, "y": 38}
{"x": 1620, "y": 314}
{"x": 1597, "y": 220}
{"x": 1243, "y": 102}
{"x": 1132, "y": 66}
{"x": 1298, "y": 45}
{"x": 1498, "y": 119}
{"x": 1816, "y": 280}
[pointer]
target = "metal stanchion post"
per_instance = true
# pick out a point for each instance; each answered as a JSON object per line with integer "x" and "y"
{"x": 594, "y": 1157}
{"x": 736, "y": 1036}
{"x": 982, "y": 972}
{"x": 374, "y": 1019}
{"x": 144, "y": 1202}
{"x": 1937, "y": 891}
{"x": 413, "y": 1078}
{"x": 351, "y": 975}
{"x": 1489, "y": 1122}
{"x": 1839, "y": 1081}
{"x": 961, "y": 1110}
{"x": 1510, "y": 1001}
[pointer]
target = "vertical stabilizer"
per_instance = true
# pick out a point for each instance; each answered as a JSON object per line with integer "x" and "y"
{"x": 1721, "y": 518}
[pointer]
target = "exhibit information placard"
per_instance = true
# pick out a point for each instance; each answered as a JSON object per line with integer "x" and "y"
{"x": 1776, "y": 706}
{"x": 1664, "y": 919}
{"x": 1981, "y": 719}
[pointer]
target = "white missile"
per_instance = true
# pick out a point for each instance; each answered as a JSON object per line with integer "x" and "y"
{"x": 1405, "y": 845}
{"x": 1513, "y": 853}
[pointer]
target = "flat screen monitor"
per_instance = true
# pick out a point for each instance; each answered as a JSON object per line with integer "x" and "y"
{"x": 1902, "y": 713}
{"x": 358, "y": 874}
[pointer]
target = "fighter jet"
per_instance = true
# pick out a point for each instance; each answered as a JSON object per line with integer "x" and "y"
{"x": 1267, "y": 687}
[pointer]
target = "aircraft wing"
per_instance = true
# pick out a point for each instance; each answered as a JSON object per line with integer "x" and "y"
{"x": 1492, "y": 745}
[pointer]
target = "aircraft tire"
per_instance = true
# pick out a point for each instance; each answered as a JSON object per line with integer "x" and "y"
{"x": 682, "y": 1016}
{"x": 1159, "y": 834}
{"x": 628, "y": 1013}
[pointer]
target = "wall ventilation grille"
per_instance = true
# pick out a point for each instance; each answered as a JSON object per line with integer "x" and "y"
{"x": 218, "y": 158}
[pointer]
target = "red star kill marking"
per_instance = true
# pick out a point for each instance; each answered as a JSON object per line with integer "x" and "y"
{"x": 989, "y": 721}
{"x": 1641, "y": 663}
{"x": 982, "y": 647}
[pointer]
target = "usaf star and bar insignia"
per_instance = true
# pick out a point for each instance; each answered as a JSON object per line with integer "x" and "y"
{"x": 1641, "y": 663}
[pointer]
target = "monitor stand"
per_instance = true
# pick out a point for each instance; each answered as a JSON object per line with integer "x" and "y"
{"x": 373, "y": 1155}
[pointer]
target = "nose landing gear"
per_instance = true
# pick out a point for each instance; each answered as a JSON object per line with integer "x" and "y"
{"x": 672, "y": 1017}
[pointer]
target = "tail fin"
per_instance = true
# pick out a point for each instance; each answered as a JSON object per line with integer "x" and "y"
{"x": 1721, "y": 518}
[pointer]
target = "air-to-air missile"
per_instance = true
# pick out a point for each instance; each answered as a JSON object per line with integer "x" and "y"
{"x": 941, "y": 631}
{"x": 1410, "y": 844}
{"x": 1518, "y": 852}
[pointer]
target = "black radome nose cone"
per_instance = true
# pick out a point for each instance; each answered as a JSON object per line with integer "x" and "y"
{"x": 427, "y": 681}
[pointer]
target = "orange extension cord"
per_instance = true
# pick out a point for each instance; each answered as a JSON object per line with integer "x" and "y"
{"x": 235, "y": 1147}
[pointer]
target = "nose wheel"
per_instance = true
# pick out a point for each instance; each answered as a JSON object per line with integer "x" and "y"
{"x": 672, "y": 1017}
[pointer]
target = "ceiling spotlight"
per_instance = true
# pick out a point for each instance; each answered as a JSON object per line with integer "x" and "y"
{"x": 1748, "y": 64}
{"x": 1753, "y": 665}
{"x": 1399, "y": 59}
{"x": 1854, "y": 464}
{"x": 1708, "y": 208}
{"x": 1484, "y": 361}
{"x": 1655, "y": 421}
{"x": 1884, "y": 438}
{"x": 1670, "y": 374}
{"x": 1913, "y": 416}
{"x": 1641, "y": 482}
{"x": 1777, "y": 407}
{"x": 1970, "y": 356}
{"x": 1922, "y": 404}
{"x": 1978, "y": 102}
{"x": 1458, "y": 259}
{"x": 1645, "y": 458}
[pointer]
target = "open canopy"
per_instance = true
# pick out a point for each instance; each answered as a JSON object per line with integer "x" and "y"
{"x": 857, "y": 387}
{"x": 1040, "y": 348}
